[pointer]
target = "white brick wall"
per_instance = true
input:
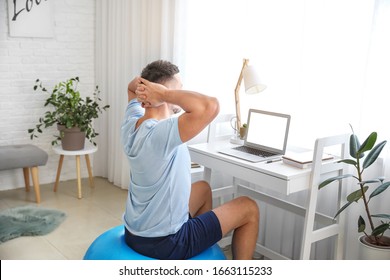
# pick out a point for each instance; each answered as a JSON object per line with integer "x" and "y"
{"x": 68, "y": 54}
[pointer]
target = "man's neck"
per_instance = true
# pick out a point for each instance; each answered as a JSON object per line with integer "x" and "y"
{"x": 158, "y": 113}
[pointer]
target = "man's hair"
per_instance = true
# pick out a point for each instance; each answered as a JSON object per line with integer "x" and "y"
{"x": 159, "y": 71}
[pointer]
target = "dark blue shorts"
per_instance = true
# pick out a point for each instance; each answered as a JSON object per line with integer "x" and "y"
{"x": 195, "y": 236}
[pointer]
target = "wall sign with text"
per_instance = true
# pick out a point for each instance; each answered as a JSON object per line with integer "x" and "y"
{"x": 31, "y": 18}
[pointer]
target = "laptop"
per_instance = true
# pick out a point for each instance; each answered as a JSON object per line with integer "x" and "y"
{"x": 266, "y": 137}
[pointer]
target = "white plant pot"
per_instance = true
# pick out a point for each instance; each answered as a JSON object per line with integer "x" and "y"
{"x": 372, "y": 252}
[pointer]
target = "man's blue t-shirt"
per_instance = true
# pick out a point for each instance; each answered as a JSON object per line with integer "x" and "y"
{"x": 160, "y": 177}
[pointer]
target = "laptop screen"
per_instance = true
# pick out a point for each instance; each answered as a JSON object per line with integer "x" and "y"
{"x": 267, "y": 130}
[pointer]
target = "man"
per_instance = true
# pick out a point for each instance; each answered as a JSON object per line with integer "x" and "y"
{"x": 166, "y": 216}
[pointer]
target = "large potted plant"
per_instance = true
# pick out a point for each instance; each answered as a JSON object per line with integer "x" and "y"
{"x": 373, "y": 226}
{"x": 72, "y": 114}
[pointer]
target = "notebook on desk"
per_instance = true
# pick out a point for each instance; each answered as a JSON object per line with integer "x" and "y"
{"x": 266, "y": 137}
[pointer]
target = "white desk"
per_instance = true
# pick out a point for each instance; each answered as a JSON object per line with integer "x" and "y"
{"x": 274, "y": 176}
{"x": 88, "y": 149}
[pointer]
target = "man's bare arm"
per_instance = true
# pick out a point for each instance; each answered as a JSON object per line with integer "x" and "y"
{"x": 131, "y": 88}
{"x": 199, "y": 109}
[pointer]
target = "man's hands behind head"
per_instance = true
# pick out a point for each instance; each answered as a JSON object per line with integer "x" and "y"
{"x": 150, "y": 94}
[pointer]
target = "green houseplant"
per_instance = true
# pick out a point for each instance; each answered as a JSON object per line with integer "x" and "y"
{"x": 68, "y": 110}
{"x": 364, "y": 155}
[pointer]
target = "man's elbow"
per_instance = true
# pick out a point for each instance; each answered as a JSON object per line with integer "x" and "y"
{"x": 213, "y": 107}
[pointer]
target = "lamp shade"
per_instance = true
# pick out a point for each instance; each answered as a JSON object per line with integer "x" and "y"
{"x": 251, "y": 80}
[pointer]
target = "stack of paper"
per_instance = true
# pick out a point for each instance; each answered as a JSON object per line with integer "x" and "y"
{"x": 303, "y": 159}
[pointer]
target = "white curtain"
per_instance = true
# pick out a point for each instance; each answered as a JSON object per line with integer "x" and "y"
{"x": 312, "y": 55}
{"x": 129, "y": 34}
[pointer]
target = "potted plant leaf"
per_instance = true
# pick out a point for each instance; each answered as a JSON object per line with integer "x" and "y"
{"x": 72, "y": 114}
{"x": 373, "y": 226}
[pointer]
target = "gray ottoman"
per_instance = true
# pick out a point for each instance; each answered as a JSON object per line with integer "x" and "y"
{"x": 28, "y": 157}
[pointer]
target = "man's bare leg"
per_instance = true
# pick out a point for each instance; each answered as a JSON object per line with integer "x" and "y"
{"x": 200, "y": 198}
{"x": 242, "y": 216}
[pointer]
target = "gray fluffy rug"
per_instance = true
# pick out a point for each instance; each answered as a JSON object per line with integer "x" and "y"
{"x": 28, "y": 221}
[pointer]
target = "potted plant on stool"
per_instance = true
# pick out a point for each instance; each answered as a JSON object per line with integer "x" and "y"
{"x": 373, "y": 238}
{"x": 72, "y": 114}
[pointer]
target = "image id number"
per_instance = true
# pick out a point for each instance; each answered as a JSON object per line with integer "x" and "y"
{"x": 251, "y": 270}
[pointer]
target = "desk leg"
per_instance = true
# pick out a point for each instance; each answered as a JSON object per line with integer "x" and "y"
{"x": 207, "y": 174}
{"x": 78, "y": 176}
{"x": 58, "y": 172}
{"x": 91, "y": 183}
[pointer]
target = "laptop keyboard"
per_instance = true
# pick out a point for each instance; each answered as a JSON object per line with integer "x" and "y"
{"x": 253, "y": 151}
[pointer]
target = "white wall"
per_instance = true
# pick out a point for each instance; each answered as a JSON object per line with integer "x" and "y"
{"x": 70, "y": 53}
